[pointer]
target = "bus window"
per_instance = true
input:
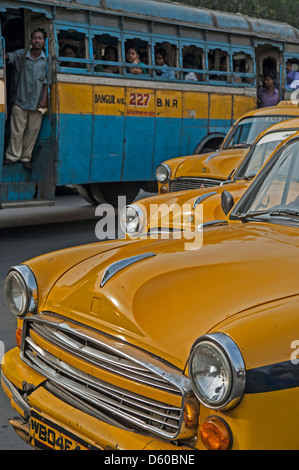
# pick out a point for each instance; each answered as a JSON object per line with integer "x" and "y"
{"x": 72, "y": 45}
{"x": 219, "y": 62}
{"x": 242, "y": 64}
{"x": 193, "y": 59}
{"x": 137, "y": 52}
{"x": 292, "y": 73}
{"x": 165, "y": 57}
{"x": 106, "y": 48}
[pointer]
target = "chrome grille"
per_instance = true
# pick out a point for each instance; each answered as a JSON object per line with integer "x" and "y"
{"x": 183, "y": 184}
{"x": 108, "y": 355}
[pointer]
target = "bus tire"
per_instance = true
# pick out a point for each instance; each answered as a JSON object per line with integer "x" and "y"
{"x": 209, "y": 146}
{"x": 109, "y": 192}
{"x": 85, "y": 193}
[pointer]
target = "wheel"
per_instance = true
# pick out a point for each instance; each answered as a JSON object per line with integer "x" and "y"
{"x": 85, "y": 192}
{"x": 109, "y": 192}
{"x": 210, "y": 146}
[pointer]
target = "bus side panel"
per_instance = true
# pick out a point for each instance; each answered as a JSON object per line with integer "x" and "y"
{"x": 195, "y": 120}
{"x": 107, "y": 152}
{"x": 139, "y": 148}
{"x": 74, "y": 107}
{"x": 74, "y": 149}
{"x": 221, "y": 115}
{"x": 167, "y": 140}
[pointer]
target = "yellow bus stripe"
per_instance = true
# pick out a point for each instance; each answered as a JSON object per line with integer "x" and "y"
{"x": 143, "y": 102}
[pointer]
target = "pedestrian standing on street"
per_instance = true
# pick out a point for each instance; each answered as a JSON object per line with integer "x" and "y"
{"x": 268, "y": 94}
{"x": 30, "y": 99}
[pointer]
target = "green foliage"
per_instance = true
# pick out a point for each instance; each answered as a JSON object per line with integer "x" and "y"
{"x": 274, "y": 10}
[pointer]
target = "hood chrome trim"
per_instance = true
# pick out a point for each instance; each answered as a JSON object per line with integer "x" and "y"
{"x": 122, "y": 264}
{"x": 202, "y": 198}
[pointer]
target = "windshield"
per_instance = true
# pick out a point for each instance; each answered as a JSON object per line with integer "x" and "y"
{"x": 260, "y": 153}
{"x": 248, "y": 129}
{"x": 275, "y": 195}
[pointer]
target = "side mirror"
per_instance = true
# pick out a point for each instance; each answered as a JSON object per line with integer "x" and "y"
{"x": 227, "y": 202}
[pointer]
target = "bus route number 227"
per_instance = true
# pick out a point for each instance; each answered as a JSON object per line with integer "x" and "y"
{"x": 139, "y": 99}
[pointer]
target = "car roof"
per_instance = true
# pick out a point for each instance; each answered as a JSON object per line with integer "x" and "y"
{"x": 282, "y": 108}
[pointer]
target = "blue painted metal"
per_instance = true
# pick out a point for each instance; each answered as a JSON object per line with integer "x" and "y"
{"x": 88, "y": 153}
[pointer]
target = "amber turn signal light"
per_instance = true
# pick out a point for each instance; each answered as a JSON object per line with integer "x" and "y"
{"x": 163, "y": 190}
{"x": 191, "y": 413}
{"x": 19, "y": 336}
{"x": 215, "y": 434}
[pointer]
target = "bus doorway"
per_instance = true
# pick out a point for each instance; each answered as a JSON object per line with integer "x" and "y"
{"x": 21, "y": 185}
{"x": 268, "y": 58}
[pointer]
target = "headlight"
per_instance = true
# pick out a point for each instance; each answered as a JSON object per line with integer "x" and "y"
{"x": 21, "y": 290}
{"x": 163, "y": 173}
{"x": 217, "y": 371}
{"x": 132, "y": 220}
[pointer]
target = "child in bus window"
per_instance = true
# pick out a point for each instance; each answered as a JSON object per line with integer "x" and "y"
{"x": 161, "y": 59}
{"x": 110, "y": 55}
{"x": 69, "y": 51}
{"x": 133, "y": 57}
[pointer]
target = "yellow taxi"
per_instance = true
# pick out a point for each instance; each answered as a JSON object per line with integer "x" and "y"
{"x": 206, "y": 170}
{"x": 161, "y": 344}
{"x": 184, "y": 210}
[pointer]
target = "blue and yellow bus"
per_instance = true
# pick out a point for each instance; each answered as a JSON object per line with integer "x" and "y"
{"x": 107, "y": 127}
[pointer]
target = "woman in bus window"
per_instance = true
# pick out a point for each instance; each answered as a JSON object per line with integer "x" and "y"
{"x": 133, "y": 57}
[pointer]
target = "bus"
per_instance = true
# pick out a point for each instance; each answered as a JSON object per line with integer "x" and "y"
{"x": 107, "y": 127}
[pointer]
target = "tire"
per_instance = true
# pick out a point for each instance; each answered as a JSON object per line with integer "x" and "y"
{"x": 85, "y": 193}
{"x": 109, "y": 192}
{"x": 210, "y": 146}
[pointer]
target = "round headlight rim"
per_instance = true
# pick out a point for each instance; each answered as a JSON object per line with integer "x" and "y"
{"x": 234, "y": 358}
{"x": 141, "y": 219}
{"x": 25, "y": 274}
{"x": 168, "y": 169}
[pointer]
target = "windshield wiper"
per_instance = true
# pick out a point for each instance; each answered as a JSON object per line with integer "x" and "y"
{"x": 275, "y": 212}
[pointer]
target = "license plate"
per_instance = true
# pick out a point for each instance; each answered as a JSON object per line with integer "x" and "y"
{"x": 44, "y": 434}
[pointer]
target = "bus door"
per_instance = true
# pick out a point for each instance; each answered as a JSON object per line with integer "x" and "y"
{"x": 21, "y": 186}
{"x": 268, "y": 57}
{"x": 2, "y": 98}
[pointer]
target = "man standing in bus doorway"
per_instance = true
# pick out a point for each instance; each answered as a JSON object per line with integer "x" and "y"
{"x": 29, "y": 100}
{"x": 268, "y": 95}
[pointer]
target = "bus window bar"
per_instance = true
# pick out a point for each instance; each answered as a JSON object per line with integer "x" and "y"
{"x": 206, "y": 76}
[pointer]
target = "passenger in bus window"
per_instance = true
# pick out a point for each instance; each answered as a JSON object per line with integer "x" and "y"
{"x": 292, "y": 75}
{"x": 268, "y": 94}
{"x": 110, "y": 55}
{"x": 189, "y": 62}
{"x": 29, "y": 100}
{"x": 133, "y": 57}
{"x": 223, "y": 68}
{"x": 70, "y": 52}
{"x": 161, "y": 59}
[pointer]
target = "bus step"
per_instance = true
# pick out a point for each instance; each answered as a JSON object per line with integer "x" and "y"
{"x": 28, "y": 203}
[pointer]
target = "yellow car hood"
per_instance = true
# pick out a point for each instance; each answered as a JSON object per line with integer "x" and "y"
{"x": 180, "y": 210}
{"x": 218, "y": 164}
{"x": 178, "y": 292}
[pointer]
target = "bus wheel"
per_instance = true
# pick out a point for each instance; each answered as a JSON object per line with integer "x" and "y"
{"x": 109, "y": 192}
{"x": 85, "y": 192}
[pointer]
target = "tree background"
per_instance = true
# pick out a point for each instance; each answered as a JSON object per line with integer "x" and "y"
{"x": 275, "y": 10}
